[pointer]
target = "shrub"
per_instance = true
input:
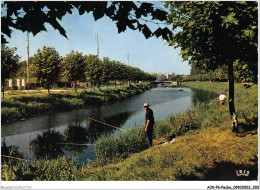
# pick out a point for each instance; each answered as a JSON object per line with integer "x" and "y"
{"x": 61, "y": 169}
{"x": 10, "y": 102}
{"x": 133, "y": 141}
{"x": 33, "y": 108}
{"x": 123, "y": 94}
{"x": 9, "y": 114}
{"x": 162, "y": 129}
{"x": 74, "y": 102}
{"x": 93, "y": 100}
{"x": 184, "y": 122}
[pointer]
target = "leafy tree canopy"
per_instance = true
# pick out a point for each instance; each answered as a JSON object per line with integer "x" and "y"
{"x": 9, "y": 62}
{"x": 46, "y": 66}
{"x": 73, "y": 67}
{"x": 31, "y": 16}
{"x": 94, "y": 69}
{"x": 215, "y": 33}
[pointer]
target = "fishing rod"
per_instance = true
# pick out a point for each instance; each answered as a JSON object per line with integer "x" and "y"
{"x": 20, "y": 159}
{"x": 106, "y": 124}
{"x": 77, "y": 144}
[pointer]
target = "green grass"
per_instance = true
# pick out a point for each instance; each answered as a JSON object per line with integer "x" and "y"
{"x": 192, "y": 157}
{"x": 217, "y": 87}
{"x": 246, "y": 103}
{"x": 205, "y": 148}
{"x": 61, "y": 169}
{"x": 20, "y": 107}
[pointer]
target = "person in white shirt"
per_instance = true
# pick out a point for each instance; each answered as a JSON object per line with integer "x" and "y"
{"x": 222, "y": 99}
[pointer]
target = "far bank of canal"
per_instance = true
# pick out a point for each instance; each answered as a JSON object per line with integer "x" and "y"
{"x": 74, "y": 126}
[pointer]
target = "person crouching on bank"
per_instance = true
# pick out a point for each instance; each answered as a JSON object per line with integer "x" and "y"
{"x": 222, "y": 99}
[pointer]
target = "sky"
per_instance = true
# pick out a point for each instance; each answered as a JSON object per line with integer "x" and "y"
{"x": 151, "y": 55}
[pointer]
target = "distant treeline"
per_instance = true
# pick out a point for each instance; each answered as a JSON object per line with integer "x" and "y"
{"x": 242, "y": 73}
{"x": 47, "y": 69}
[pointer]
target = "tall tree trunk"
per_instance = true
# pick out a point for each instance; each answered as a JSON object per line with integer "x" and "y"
{"x": 232, "y": 111}
{"x": 3, "y": 90}
{"x": 75, "y": 82}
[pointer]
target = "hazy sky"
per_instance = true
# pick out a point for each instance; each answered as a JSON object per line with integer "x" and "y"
{"x": 150, "y": 55}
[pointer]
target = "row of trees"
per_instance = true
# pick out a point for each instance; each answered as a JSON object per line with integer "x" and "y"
{"x": 48, "y": 68}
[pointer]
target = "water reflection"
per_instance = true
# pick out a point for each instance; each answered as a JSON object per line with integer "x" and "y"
{"x": 12, "y": 151}
{"x": 97, "y": 130}
{"x": 200, "y": 95}
{"x": 47, "y": 145}
{"x": 78, "y": 135}
{"x": 51, "y": 144}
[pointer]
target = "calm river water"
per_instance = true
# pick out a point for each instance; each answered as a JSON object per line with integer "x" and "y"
{"x": 74, "y": 127}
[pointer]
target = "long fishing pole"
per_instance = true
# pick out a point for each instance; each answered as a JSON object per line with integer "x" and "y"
{"x": 16, "y": 158}
{"x": 77, "y": 144}
{"x": 106, "y": 124}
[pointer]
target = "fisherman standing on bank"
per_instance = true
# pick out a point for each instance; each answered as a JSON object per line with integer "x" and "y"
{"x": 149, "y": 120}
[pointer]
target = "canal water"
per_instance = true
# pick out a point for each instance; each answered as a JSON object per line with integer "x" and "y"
{"x": 46, "y": 132}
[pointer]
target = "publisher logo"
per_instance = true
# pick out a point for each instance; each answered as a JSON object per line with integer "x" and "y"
{"x": 242, "y": 173}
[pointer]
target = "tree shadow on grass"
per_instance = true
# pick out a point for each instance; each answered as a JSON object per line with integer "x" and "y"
{"x": 251, "y": 126}
{"x": 248, "y": 127}
{"x": 228, "y": 171}
{"x": 225, "y": 171}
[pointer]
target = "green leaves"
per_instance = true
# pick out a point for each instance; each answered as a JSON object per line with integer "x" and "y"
{"x": 94, "y": 69}
{"x": 212, "y": 35}
{"x": 9, "y": 62}
{"x": 73, "y": 67}
{"x": 249, "y": 33}
{"x": 229, "y": 20}
{"x": 46, "y": 66}
{"x": 214, "y": 32}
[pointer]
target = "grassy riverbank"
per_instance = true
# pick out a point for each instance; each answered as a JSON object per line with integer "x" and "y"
{"x": 21, "y": 107}
{"x": 246, "y": 100}
{"x": 205, "y": 148}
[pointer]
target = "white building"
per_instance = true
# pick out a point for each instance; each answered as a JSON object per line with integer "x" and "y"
{"x": 163, "y": 76}
{"x": 169, "y": 75}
